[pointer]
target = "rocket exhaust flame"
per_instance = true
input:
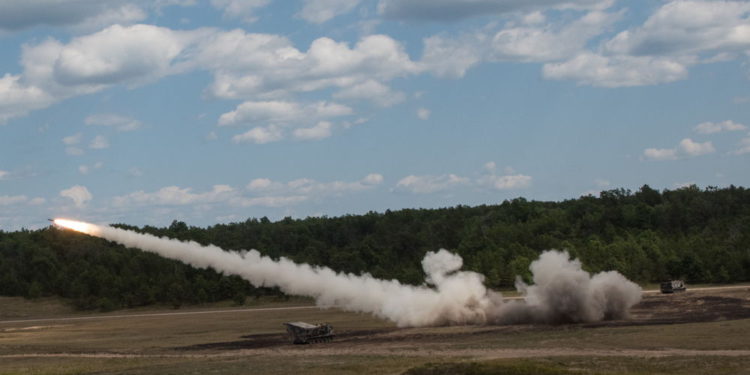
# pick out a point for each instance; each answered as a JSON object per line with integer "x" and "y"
{"x": 562, "y": 292}
{"x": 77, "y": 226}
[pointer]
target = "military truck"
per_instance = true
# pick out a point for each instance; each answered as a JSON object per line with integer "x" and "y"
{"x": 306, "y": 333}
{"x": 673, "y": 286}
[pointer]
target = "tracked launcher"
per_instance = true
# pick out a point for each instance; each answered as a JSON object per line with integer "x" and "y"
{"x": 306, "y": 333}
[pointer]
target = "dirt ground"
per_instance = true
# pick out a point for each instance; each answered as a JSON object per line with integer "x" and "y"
{"x": 711, "y": 323}
{"x": 655, "y": 309}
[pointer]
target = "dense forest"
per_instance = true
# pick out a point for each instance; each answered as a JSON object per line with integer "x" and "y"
{"x": 702, "y": 236}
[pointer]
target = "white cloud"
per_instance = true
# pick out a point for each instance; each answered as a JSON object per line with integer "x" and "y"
{"x": 451, "y": 10}
{"x": 17, "y": 99}
{"x": 269, "y": 201}
{"x": 507, "y": 182}
{"x": 320, "y": 11}
{"x": 717, "y": 127}
{"x": 37, "y": 201}
{"x": 80, "y": 14}
{"x": 309, "y": 121}
{"x": 175, "y": 196}
{"x": 282, "y": 112}
{"x": 72, "y": 139}
{"x": 427, "y": 184}
{"x": 319, "y": 131}
{"x": 85, "y": 169}
{"x": 616, "y": 71}
{"x": 306, "y": 186}
{"x": 452, "y": 57}
{"x": 371, "y": 90}
{"x": 78, "y": 194}
{"x": 686, "y": 148}
{"x": 252, "y": 65}
{"x": 261, "y": 67}
{"x": 99, "y": 142}
{"x": 602, "y": 183}
{"x": 7, "y": 200}
{"x": 423, "y": 113}
{"x": 75, "y": 151}
{"x": 688, "y": 28}
{"x": 242, "y": 9}
{"x": 660, "y": 154}
{"x": 431, "y": 184}
{"x": 4, "y": 174}
{"x": 680, "y": 34}
{"x": 71, "y": 142}
{"x": 692, "y": 148}
{"x": 259, "y": 135}
{"x": 121, "y": 123}
{"x": 744, "y": 147}
{"x": 262, "y": 192}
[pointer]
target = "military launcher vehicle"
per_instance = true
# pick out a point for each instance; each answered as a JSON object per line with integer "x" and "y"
{"x": 306, "y": 333}
{"x": 672, "y": 286}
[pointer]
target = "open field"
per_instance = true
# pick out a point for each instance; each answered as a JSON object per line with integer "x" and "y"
{"x": 701, "y": 331}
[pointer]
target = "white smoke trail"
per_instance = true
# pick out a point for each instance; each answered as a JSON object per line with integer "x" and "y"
{"x": 563, "y": 292}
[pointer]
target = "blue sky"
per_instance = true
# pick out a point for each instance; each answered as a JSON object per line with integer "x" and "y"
{"x": 143, "y": 112}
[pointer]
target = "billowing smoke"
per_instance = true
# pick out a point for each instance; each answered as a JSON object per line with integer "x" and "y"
{"x": 562, "y": 291}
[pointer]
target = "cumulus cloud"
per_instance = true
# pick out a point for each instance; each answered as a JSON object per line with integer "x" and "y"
{"x": 260, "y": 135}
{"x": 79, "y": 14}
{"x": 660, "y": 153}
{"x": 717, "y": 127}
{"x": 373, "y": 91}
{"x": 306, "y": 186}
{"x": 242, "y": 9}
{"x": 80, "y": 195}
{"x": 71, "y": 143}
{"x": 319, "y": 131}
{"x": 529, "y": 41}
{"x": 688, "y": 28}
{"x": 174, "y": 196}
{"x": 282, "y": 112}
{"x": 507, "y": 182}
{"x": 320, "y": 11}
{"x": 260, "y": 67}
{"x": 427, "y": 184}
{"x": 4, "y": 174}
{"x": 7, "y": 200}
{"x": 423, "y": 113}
{"x": 119, "y": 122}
{"x": 616, "y": 71}
{"x": 99, "y": 142}
{"x": 678, "y": 35}
{"x": 692, "y": 148}
{"x": 452, "y": 10}
{"x": 686, "y": 148}
{"x": 251, "y": 65}
{"x": 308, "y": 121}
{"x": 18, "y": 99}
{"x": 261, "y": 192}
{"x": 53, "y": 71}
{"x": 744, "y": 147}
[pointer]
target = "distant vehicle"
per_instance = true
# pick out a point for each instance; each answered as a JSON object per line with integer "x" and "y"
{"x": 306, "y": 333}
{"x": 673, "y": 286}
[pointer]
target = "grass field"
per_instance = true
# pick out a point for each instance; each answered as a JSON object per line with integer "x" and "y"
{"x": 667, "y": 335}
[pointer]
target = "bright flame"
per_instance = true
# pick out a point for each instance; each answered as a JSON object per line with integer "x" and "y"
{"x": 77, "y": 226}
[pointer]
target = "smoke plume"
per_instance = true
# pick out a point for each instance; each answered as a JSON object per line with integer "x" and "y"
{"x": 562, "y": 291}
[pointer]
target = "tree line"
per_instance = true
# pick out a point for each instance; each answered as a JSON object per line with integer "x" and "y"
{"x": 700, "y": 235}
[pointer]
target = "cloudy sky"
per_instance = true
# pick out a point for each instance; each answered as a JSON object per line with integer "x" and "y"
{"x": 214, "y": 111}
